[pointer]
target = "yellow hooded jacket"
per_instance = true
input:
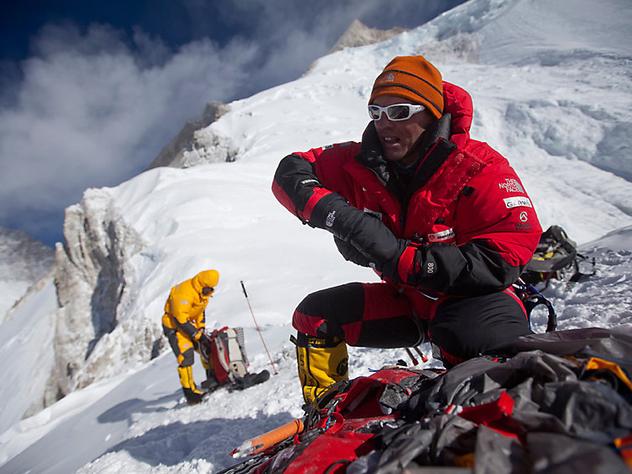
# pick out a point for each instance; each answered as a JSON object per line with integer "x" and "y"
{"x": 184, "y": 309}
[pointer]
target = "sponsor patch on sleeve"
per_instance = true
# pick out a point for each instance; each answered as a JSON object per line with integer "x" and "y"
{"x": 517, "y": 201}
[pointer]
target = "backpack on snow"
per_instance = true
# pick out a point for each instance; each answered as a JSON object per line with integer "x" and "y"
{"x": 556, "y": 257}
{"x": 228, "y": 354}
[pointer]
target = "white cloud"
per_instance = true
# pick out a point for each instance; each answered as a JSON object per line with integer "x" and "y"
{"x": 94, "y": 107}
{"x": 90, "y": 112}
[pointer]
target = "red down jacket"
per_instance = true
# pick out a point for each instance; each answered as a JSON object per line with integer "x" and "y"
{"x": 463, "y": 219}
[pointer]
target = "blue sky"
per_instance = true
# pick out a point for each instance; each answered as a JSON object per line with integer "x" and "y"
{"x": 90, "y": 91}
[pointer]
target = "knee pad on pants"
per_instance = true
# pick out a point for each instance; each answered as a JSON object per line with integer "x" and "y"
{"x": 186, "y": 359}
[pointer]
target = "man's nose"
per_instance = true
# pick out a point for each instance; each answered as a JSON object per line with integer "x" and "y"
{"x": 383, "y": 122}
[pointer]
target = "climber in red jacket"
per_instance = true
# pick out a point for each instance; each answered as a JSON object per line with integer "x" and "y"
{"x": 442, "y": 218}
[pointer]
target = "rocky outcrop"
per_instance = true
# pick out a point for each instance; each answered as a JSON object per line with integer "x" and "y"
{"x": 91, "y": 278}
{"x": 195, "y": 144}
{"x": 445, "y": 44}
{"x": 358, "y": 34}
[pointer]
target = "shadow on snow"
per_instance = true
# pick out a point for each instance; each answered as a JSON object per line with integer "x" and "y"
{"x": 211, "y": 440}
{"x": 125, "y": 410}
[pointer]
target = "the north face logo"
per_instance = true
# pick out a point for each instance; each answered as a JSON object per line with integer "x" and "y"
{"x": 390, "y": 77}
{"x": 331, "y": 217}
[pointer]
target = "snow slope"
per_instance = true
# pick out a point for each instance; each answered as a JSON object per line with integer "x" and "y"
{"x": 564, "y": 124}
{"x": 28, "y": 332}
{"x": 138, "y": 421}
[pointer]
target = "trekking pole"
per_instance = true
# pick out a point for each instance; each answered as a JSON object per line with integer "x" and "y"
{"x": 258, "y": 329}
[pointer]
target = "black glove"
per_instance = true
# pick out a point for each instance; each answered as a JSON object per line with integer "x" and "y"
{"x": 389, "y": 268}
{"x": 366, "y": 233}
{"x": 351, "y": 254}
{"x": 205, "y": 344}
{"x": 202, "y": 342}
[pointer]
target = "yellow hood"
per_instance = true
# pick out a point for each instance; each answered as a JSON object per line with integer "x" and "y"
{"x": 208, "y": 278}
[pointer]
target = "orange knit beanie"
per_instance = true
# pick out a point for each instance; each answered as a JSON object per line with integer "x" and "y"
{"x": 413, "y": 78}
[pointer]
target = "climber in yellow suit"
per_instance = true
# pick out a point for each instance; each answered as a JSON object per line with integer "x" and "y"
{"x": 183, "y": 323}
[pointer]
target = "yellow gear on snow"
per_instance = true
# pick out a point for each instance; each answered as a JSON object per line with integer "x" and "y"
{"x": 320, "y": 365}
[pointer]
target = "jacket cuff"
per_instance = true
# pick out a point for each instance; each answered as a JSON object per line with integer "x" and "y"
{"x": 406, "y": 270}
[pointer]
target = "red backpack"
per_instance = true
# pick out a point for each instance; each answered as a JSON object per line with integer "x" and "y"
{"x": 228, "y": 354}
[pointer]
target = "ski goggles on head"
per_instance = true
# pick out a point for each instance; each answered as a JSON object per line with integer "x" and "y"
{"x": 395, "y": 112}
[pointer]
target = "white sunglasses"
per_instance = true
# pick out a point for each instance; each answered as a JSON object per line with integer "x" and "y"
{"x": 395, "y": 112}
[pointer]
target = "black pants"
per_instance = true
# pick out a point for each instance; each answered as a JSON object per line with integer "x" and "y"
{"x": 378, "y": 315}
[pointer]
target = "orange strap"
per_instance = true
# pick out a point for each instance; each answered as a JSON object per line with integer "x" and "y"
{"x": 596, "y": 363}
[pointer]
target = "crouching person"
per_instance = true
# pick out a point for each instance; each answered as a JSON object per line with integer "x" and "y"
{"x": 183, "y": 323}
{"x": 443, "y": 218}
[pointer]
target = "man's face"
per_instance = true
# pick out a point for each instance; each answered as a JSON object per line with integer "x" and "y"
{"x": 398, "y": 139}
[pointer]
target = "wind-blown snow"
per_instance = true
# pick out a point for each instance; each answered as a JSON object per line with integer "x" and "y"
{"x": 551, "y": 91}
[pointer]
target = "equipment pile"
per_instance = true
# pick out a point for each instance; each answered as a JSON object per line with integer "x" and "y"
{"x": 555, "y": 402}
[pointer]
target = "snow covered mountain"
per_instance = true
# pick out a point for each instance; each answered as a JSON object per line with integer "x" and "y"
{"x": 23, "y": 261}
{"x": 552, "y": 91}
